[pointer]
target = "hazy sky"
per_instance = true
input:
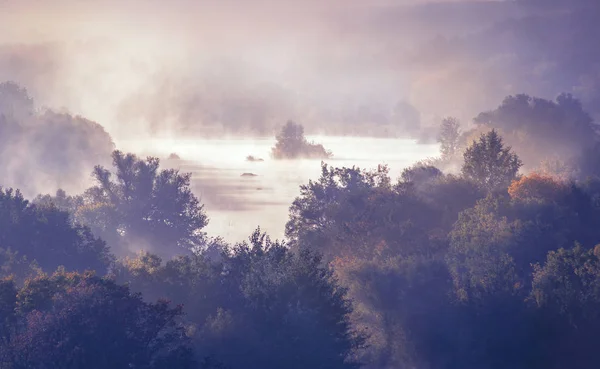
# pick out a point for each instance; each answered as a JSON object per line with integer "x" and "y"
{"x": 144, "y": 65}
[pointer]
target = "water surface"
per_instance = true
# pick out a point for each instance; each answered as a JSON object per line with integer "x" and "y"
{"x": 237, "y": 204}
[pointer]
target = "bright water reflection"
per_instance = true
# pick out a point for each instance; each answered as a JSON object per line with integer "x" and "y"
{"x": 237, "y": 204}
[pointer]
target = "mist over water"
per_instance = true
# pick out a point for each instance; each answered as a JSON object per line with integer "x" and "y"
{"x": 237, "y": 204}
{"x": 143, "y": 142}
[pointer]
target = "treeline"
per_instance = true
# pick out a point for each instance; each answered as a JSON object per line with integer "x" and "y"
{"x": 256, "y": 304}
{"x": 485, "y": 267}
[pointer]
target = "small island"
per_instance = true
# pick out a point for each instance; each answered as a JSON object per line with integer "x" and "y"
{"x": 173, "y": 156}
{"x": 291, "y": 144}
{"x": 252, "y": 158}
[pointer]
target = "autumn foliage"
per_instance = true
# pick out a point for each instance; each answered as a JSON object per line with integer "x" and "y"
{"x": 536, "y": 186}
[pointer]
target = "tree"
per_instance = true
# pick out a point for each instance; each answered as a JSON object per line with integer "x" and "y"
{"x": 71, "y": 320}
{"x": 61, "y": 147}
{"x": 292, "y": 144}
{"x": 46, "y": 235}
{"x": 537, "y": 187}
{"x": 350, "y": 211}
{"x": 292, "y": 307}
{"x": 15, "y": 102}
{"x": 152, "y": 208}
{"x": 260, "y": 305}
{"x": 449, "y": 137}
{"x": 420, "y": 174}
{"x": 566, "y": 293}
{"x": 569, "y": 283}
{"x": 489, "y": 163}
{"x": 481, "y": 255}
{"x": 543, "y": 129}
{"x": 400, "y": 302}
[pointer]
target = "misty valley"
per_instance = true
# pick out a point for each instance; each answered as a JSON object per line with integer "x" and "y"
{"x": 237, "y": 204}
{"x": 392, "y": 184}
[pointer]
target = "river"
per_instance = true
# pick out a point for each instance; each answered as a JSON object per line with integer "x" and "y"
{"x": 237, "y": 204}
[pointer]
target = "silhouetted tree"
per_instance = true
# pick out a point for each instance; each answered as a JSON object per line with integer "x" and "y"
{"x": 70, "y": 320}
{"x": 46, "y": 235}
{"x": 143, "y": 205}
{"x": 420, "y": 174}
{"x": 349, "y": 210}
{"x": 292, "y": 144}
{"x": 257, "y": 306}
{"x": 540, "y": 128}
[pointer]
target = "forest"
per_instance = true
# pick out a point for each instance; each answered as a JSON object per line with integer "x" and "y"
{"x": 493, "y": 265}
{"x": 484, "y": 256}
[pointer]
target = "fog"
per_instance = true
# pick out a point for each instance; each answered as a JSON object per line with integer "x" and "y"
{"x": 238, "y": 204}
{"x": 431, "y": 170}
{"x": 231, "y": 68}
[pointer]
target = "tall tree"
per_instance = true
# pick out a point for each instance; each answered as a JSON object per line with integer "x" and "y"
{"x": 154, "y": 208}
{"x": 489, "y": 163}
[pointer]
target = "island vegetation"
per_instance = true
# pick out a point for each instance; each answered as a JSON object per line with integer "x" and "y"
{"x": 291, "y": 144}
{"x": 253, "y": 158}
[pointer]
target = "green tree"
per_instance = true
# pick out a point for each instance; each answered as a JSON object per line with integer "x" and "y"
{"x": 481, "y": 256}
{"x": 568, "y": 283}
{"x": 489, "y": 163}
{"x": 566, "y": 293}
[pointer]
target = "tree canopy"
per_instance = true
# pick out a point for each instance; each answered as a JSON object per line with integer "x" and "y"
{"x": 141, "y": 204}
{"x": 45, "y": 236}
{"x": 70, "y": 320}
